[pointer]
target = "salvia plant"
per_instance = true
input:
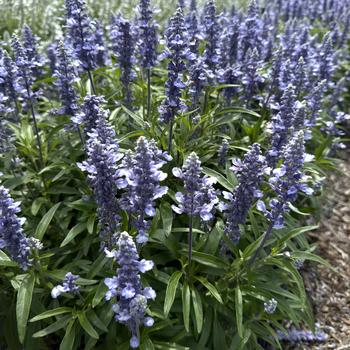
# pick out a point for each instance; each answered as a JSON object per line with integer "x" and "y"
{"x": 160, "y": 170}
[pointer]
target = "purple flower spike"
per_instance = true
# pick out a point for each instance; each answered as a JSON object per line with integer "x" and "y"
{"x": 140, "y": 175}
{"x": 199, "y": 197}
{"x": 148, "y": 38}
{"x": 24, "y": 71}
{"x": 126, "y": 288}
{"x": 177, "y": 51}
{"x": 212, "y": 36}
{"x": 286, "y": 181}
{"x": 31, "y": 51}
{"x": 12, "y": 237}
{"x": 91, "y": 113}
{"x": 64, "y": 72}
{"x": 281, "y": 124}
{"x": 8, "y": 79}
{"x": 123, "y": 45}
{"x": 102, "y": 156}
{"x": 84, "y": 37}
{"x": 250, "y": 175}
{"x": 68, "y": 286}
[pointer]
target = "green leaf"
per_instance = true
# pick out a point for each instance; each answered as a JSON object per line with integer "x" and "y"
{"x": 313, "y": 257}
{"x": 238, "y": 110}
{"x": 61, "y": 323}
{"x": 220, "y": 178}
{"x": 97, "y": 266}
{"x": 225, "y": 86}
{"x": 218, "y": 335}
{"x": 73, "y": 232}
{"x": 146, "y": 344}
{"x": 296, "y": 210}
{"x": 99, "y": 295}
{"x": 24, "y": 301}
{"x": 246, "y": 336}
{"x": 96, "y": 321}
{"x": 50, "y": 167}
{"x": 251, "y": 248}
{"x": 91, "y": 223}
{"x": 207, "y": 326}
{"x": 169, "y": 346}
{"x": 50, "y": 313}
{"x": 36, "y": 205}
{"x": 186, "y": 305}
{"x": 214, "y": 238}
{"x": 171, "y": 291}
{"x": 68, "y": 339}
{"x": 45, "y": 222}
{"x": 286, "y": 265}
{"x": 87, "y": 326}
{"x": 208, "y": 260}
{"x": 167, "y": 217}
{"x": 198, "y": 309}
{"x": 296, "y": 232}
{"x": 239, "y": 311}
{"x": 6, "y": 261}
{"x": 134, "y": 116}
{"x": 211, "y": 288}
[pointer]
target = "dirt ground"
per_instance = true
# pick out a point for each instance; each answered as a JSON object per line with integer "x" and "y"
{"x": 329, "y": 291}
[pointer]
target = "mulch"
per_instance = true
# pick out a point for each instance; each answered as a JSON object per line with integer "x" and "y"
{"x": 329, "y": 292}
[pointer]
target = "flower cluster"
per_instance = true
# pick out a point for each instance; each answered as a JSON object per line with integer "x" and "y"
{"x": 270, "y": 306}
{"x": 12, "y": 237}
{"x": 82, "y": 38}
{"x": 68, "y": 286}
{"x": 91, "y": 113}
{"x": 249, "y": 35}
{"x": 101, "y": 53}
{"x": 31, "y": 50}
{"x": 199, "y": 197}
{"x": 250, "y": 175}
{"x": 281, "y": 124}
{"x": 123, "y": 46}
{"x": 147, "y": 27}
{"x": 8, "y": 79}
{"x": 251, "y": 79}
{"x": 326, "y": 65}
{"x": 177, "y": 51}
{"x": 300, "y": 336}
{"x": 65, "y": 74}
{"x": 286, "y": 181}
{"x": 140, "y": 176}
{"x": 222, "y": 152}
{"x": 102, "y": 156}
{"x": 24, "y": 71}
{"x": 126, "y": 287}
{"x": 314, "y": 102}
{"x": 192, "y": 26}
{"x": 212, "y": 37}
{"x": 51, "y": 55}
{"x": 229, "y": 76}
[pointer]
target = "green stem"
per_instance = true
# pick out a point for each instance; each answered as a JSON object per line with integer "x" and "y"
{"x": 91, "y": 82}
{"x": 266, "y": 237}
{"x": 148, "y": 94}
{"x": 190, "y": 240}
{"x": 36, "y": 129}
{"x": 170, "y": 136}
{"x": 81, "y": 137}
{"x": 205, "y": 103}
